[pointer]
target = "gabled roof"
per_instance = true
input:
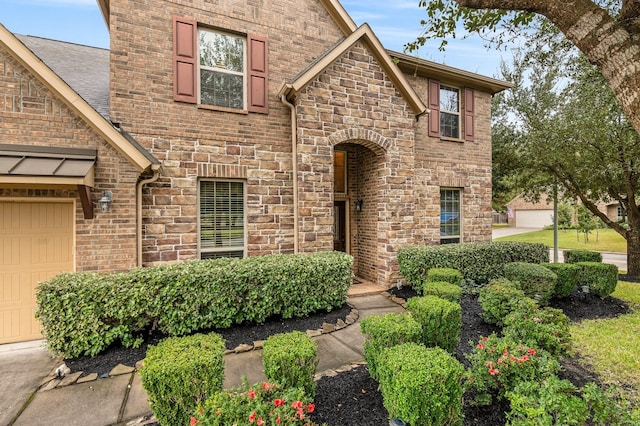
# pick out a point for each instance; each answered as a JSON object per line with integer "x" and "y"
{"x": 365, "y": 35}
{"x": 137, "y": 155}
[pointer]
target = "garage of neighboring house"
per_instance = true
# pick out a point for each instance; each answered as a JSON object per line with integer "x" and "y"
{"x": 527, "y": 214}
{"x": 36, "y": 243}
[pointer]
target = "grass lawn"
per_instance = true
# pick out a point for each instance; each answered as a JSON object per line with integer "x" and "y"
{"x": 603, "y": 240}
{"x": 611, "y": 346}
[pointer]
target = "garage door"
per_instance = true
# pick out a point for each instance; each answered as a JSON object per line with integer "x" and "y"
{"x": 36, "y": 243}
{"x": 534, "y": 218}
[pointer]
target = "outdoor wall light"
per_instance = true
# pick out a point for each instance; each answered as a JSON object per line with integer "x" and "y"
{"x": 359, "y": 205}
{"x": 106, "y": 200}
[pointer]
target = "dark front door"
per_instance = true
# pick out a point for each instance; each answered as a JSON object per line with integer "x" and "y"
{"x": 340, "y": 226}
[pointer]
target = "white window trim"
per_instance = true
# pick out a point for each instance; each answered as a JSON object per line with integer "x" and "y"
{"x": 456, "y": 113}
{"x": 244, "y": 74}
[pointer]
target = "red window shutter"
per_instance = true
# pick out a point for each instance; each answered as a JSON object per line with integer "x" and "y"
{"x": 185, "y": 56}
{"x": 434, "y": 108}
{"x": 258, "y": 96}
{"x": 468, "y": 114}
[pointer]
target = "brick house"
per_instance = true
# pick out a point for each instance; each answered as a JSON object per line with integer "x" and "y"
{"x": 233, "y": 130}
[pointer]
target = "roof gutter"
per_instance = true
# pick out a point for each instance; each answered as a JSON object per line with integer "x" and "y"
{"x": 294, "y": 158}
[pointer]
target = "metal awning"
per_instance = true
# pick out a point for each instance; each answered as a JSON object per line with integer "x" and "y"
{"x": 38, "y": 165}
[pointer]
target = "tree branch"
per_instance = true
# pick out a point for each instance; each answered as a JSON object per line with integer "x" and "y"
{"x": 630, "y": 15}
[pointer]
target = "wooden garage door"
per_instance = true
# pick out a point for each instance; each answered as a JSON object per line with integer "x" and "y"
{"x": 36, "y": 243}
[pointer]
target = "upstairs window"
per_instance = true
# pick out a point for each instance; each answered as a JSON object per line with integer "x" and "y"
{"x": 449, "y": 112}
{"x": 448, "y": 116}
{"x": 219, "y": 69}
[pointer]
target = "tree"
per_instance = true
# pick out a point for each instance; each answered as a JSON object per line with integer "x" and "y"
{"x": 571, "y": 131}
{"x": 565, "y": 215}
{"x": 607, "y": 32}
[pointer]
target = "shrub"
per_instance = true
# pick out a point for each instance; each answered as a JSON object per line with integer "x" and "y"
{"x": 500, "y": 364}
{"x": 567, "y": 281}
{"x": 575, "y": 256}
{"x": 180, "y": 373}
{"x": 290, "y": 359}
{"x": 608, "y": 408}
{"x": 265, "y": 403}
{"x": 535, "y": 280}
{"x": 480, "y": 262}
{"x": 548, "y": 403}
{"x": 83, "y": 313}
{"x": 440, "y": 319}
{"x": 546, "y": 328}
{"x": 444, "y": 290}
{"x": 499, "y": 299}
{"x": 421, "y": 386}
{"x": 385, "y": 331}
{"x": 602, "y": 278}
{"x": 448, "y": 275}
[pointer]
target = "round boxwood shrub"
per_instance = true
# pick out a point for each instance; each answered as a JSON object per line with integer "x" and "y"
{"x": 567, "y": 281}
{"x": 449, "y": 275}
{"x": 500, "y": 298}
{"x": 180, "y": 373}
{"x": 290, "y": 359}
{"x": 575, "y": 256}
{"x": 420, "y": 385}
{"x": 441, "y": 321}
{"x": 385, "y": 331}
{"x": 534, "y": 279}
{"x": 444, "y": 290}
{"x": 602, "y": 278}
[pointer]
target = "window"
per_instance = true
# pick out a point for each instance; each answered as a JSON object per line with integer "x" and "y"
{"x": 449, "y": 112}
{"x": 450, "y": 216}
{"x": 222, "y": 69}
{"x": 445, "y": 112}
{"x": 219, "y": 69}
{"x": 221, "y": 219}
{"x": 340, "y": 172}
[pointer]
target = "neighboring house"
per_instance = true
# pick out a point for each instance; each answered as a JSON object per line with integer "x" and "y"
{"x": 528, "y": 214}
{"x": 233, "y": 130}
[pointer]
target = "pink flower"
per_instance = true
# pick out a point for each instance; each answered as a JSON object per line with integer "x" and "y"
{"x": 480, "y": 346}
{"x": 278, "y": 402}
{"x": 505, "y": 352}
{"x": 296, "y": 404}
{"x": 252, "y": 394}
{"x": 260, "y": 422}
{"x": 493, "y": 372}
{"x": 310, "y": 408}
{"x": 192, "y": 421}
{"x": 531, "y": 351}
{"x": 252, "y": 417}
{"x": 278, "y": 420}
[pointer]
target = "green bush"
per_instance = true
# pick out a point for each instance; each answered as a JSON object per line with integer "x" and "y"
{"x": 480, "y": 262}
{"x": 290, "y": 359}
{"x": 444, "y": 290}
{"x": 441, "y": 321}
{"x": 83, "y": 313}
{"x": 500, "y": 364}
{"x": 609, "y": 407}
{"x": 265, "y": 403}
{"x": 499, "y": 299}
{"x": 602, "y": 278}
{"x": 575, "y": 256}
{"x": 535, "y": 280}
{"x": 385, "y": 331}
{"x": 448, "y": 275}
{"x": 180, "y": 373}
{"x": 567, "y": 281}
{"x": 421, "y": 386}
{"x": 546, "y": 328}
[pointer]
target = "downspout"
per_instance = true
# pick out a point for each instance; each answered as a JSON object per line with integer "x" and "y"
{"x": 156, "y": 175}
{"x": 294, "y": 154}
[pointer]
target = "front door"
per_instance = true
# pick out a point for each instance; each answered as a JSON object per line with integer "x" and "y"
{"x": 340, "y": 226}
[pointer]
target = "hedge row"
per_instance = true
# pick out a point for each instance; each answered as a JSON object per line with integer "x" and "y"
{"x": 83, "y": 313}
{"x": 480, "y": 262}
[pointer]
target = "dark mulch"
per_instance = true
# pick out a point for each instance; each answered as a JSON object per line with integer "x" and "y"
{"x": 352, "y": 397}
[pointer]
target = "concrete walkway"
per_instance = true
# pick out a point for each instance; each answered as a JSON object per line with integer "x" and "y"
{"x": 121, "y": 400}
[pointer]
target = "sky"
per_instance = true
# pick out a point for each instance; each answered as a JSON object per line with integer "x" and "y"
{"x": 395, "y": 22}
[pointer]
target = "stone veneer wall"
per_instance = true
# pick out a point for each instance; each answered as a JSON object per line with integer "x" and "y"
{"x": 31, "y": 115}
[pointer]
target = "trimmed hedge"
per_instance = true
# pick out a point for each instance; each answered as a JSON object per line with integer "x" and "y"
{"x": 180, "y": 373}
{"x": 499, "y": 299}
{"x": 385, "y": 331}
{"x": 567, "y": 274}
{"x": 480, "y": 262}
{"x": 421, "y": 386}
{"x": 448, "y": 275}
{"x": 441, "y": 321}
{"x": 533, "y": 279}
{"x": 83, "y": 313}
{"x": 602, "y": 278}
{"x": 290, "y": 359}
{"x": 444, "y": 290}
{"x": 575, "y": 256}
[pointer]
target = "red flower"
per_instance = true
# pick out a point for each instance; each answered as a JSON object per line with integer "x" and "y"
{"x": 296, "y": 404}
{"x": 278, "y": 420}
{"x": 504, "y": 352}
{"x": 252, "y": 417}
{"x": 531, "y": 351}
{"x": 192, "y": 421}
{"x": 310, "y": 408}
{"x": 493, "y": 372}
{"x": 260, "y": 422}
{"x": 480, "y": 346}
{"x": 485, "y": 338}
{"x": 252, "y": 394}
{"x": 278, "y": 402}
{"x": 266, "y": 385}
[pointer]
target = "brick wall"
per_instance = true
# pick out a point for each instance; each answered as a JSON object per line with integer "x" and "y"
{"x": 31, "y": 115}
